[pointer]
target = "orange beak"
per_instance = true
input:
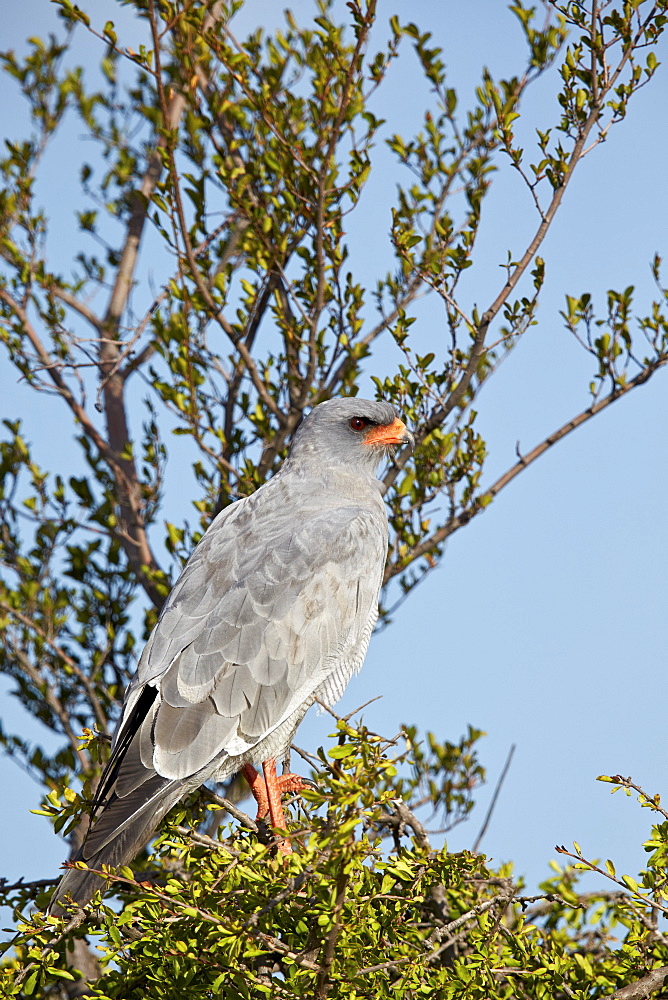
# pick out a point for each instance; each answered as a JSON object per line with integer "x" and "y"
{"x": 387, "y": 434}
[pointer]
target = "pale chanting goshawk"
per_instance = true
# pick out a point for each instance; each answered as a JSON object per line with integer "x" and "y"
{"x": 273, "y": 610}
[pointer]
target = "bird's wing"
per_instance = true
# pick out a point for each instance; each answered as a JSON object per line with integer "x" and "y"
{"x": 274, "y": 605}
{"x": 267, "y": 608}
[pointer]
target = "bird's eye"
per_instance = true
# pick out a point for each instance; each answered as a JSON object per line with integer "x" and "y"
{"x": 359, "y": 423}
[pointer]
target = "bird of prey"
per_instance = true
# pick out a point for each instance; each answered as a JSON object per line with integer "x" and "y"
{"x": 273, "y": 610}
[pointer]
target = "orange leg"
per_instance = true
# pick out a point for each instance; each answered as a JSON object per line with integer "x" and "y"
{"x": 258, "y": 790}
{"x": 267, "y": 793}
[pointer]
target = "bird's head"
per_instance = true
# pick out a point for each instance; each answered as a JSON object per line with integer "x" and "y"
{"x": 352, "y": 432}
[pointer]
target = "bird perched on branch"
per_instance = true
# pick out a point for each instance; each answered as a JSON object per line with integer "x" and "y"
{"x": 274, "y": 609}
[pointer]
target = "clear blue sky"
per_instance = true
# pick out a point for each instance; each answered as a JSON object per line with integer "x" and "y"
{"x": 545, "y": 625}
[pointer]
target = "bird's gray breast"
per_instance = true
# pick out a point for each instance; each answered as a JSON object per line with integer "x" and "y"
{"x": 276, "y": 603}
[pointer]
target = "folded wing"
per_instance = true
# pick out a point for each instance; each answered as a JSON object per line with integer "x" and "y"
{"x": 274, "y": 606}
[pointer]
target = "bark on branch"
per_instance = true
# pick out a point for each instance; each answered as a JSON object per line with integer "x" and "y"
{"x": 482, "y": 501}
{"x": 113, "y": 379}
{"x": 643, "y": 988}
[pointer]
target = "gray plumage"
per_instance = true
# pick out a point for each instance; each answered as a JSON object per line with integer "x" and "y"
{"x": 274, "y": 609}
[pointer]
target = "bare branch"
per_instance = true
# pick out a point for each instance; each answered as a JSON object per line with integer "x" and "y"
{"x": 323, "y": 984}
{"x": 495, "y": 796}
{"x": 77, "y": 305}
{"x": 201, "y": 838}
{"x": 230, "y": 807}
{"x": 135, "y": 542}
{"x": 482, "y": 501}
{"x": 408, "y": 818}
{"x": 643, "y": 988}
{"x": 52, "y": 701}
{"x": 100, "y": 715}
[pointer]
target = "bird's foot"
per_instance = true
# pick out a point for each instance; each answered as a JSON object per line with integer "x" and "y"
{"x": 267, "y": 791}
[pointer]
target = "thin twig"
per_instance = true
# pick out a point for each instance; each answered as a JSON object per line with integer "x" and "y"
{"x": 492, "y": 804}
{"x": 230, "y": 807}
{"x": 652, "y": 801}
{"x": 633, "y": 893}
{"x": 52, "y": 701}
{"x": 100, "y": 715}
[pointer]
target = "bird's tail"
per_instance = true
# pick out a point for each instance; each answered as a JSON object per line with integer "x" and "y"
{"x": 121, "y": 830}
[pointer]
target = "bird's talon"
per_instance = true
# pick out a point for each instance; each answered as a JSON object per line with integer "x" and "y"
{"x": 267, "y": 792}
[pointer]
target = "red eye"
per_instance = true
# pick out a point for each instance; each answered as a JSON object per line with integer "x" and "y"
{"x": 359, "y": 423}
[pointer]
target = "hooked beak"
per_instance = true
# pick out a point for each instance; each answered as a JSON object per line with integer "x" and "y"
{"x": 389, "y": 434}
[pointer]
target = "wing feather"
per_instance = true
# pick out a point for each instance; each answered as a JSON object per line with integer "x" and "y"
{"x": 235, "y": 693}
{"x": 273, "y": 603}
{"x": 269, "y": 705}
{"x": 188, "y": 739}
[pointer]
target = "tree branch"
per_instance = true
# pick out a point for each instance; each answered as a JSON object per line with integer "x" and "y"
{"x": 52, "y": 701}
{"x": 643, "y": 988}
{"x": 202, "y": 287}
{"x": 98, "y": 711}
{"x": 77, "y": 305}
{"x": 495, "y": 798}
{"x": 323, "y": 983}
{"x": 441, "y": 413}
{"x": 134, "y": 542}
{"x": 483, "y": 500}
{"x": 133, "y": 528}
{"x": 598, "y": 101}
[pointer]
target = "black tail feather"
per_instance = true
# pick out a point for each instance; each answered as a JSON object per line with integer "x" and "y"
{"x": 81, "y": 884}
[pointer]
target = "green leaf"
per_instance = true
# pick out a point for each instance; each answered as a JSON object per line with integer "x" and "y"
{"x": 339, "y": 752}
{"x": 61, "y": 973}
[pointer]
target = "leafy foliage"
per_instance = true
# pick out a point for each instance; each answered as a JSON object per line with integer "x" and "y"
{"x": 237, "y": 168}
{"x": 348, "y": 916}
